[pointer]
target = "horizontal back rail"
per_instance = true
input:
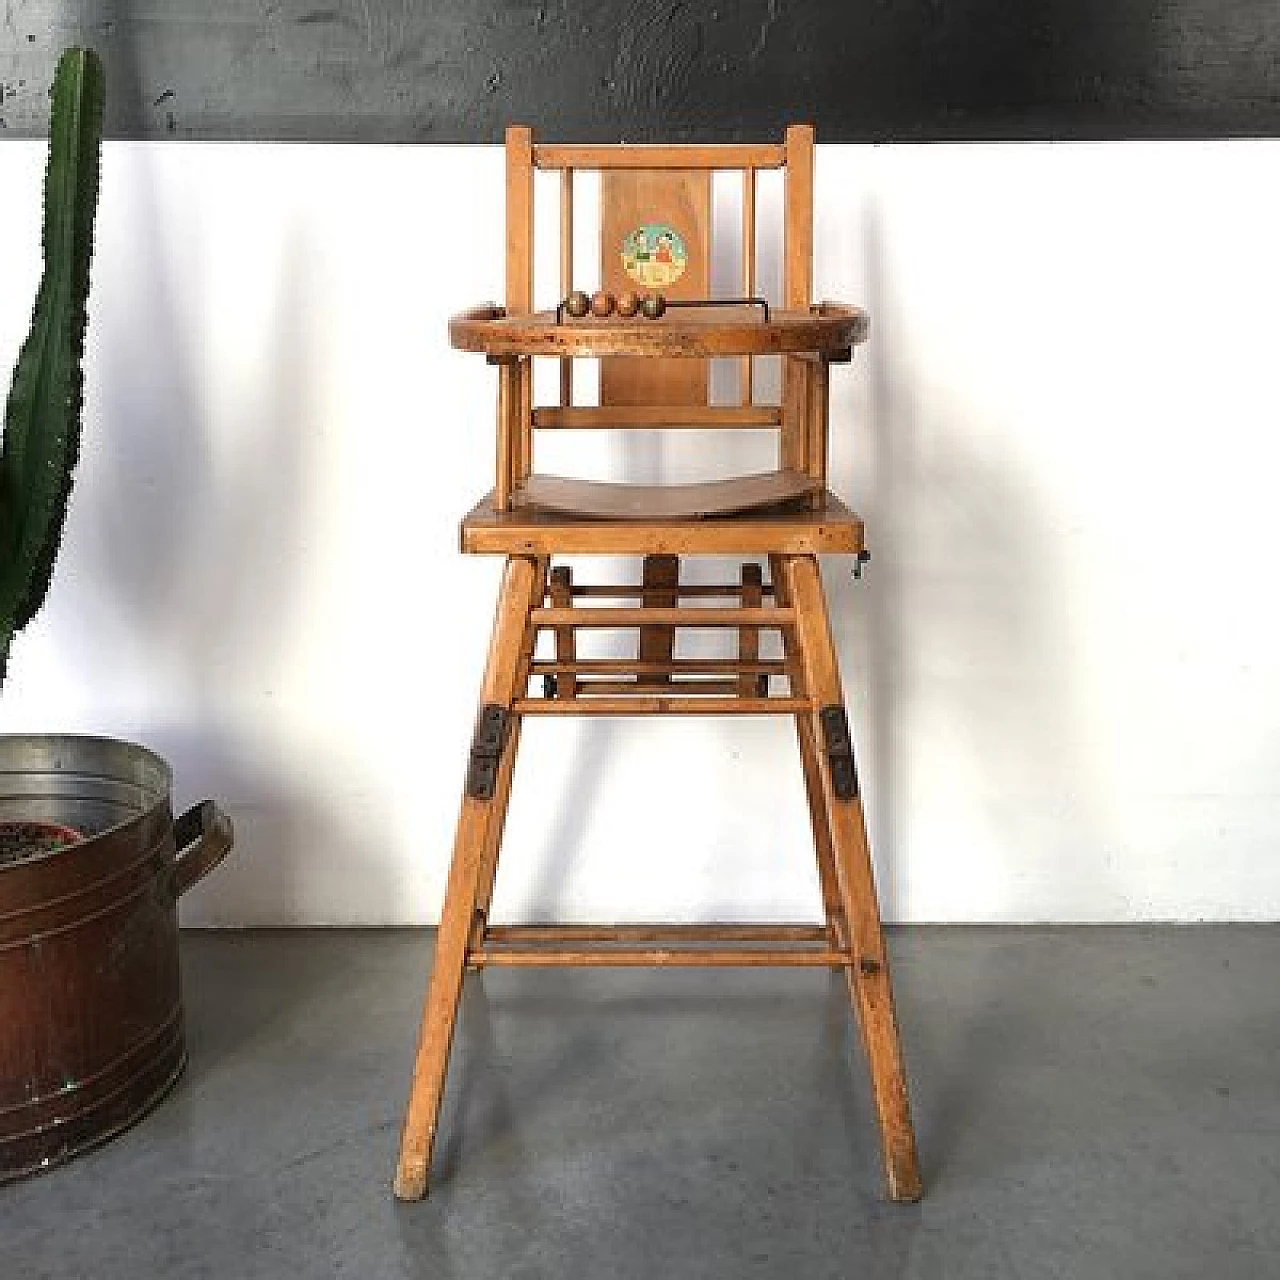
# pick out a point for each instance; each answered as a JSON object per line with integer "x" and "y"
{"x": 697, "y": 417}
{"x": 637, "y": 156}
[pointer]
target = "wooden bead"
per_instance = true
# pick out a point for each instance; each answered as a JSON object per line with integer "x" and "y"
{"x": 602, "y": 304}
{"x": 628, "y": 304}
{"x": 653, "y": 305}
{"x": 577, "y": 304}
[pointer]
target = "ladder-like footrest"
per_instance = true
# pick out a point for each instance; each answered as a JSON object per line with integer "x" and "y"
{"x": 666, "y": 946}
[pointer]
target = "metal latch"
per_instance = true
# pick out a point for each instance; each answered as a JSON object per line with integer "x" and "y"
{"x": 486, "y": 751}
{"x": 839, "y": 747}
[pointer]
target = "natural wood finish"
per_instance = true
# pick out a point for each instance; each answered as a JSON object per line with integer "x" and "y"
{"x": 638, "y": 156}
{"x": 687, "y": 591}
{"x": 692, "y": 417}
{"x": 856, "y": 879}
{"x": 508, "y": 438}
{"x": 565, "y": 640}
{"x": 593, "y": 688}
{"x": 524, "y": 450}
{"x": 832, "y": 528}
{"x": 619, "y": 617}
{"x": 833, "y": 911}
{"x": 829, "y": 328}
{"x": 787, "y": 515}
{"x": 605, "y": 501}
{"x": 817, "y": 387}
{"x": 688, "y": 934}
{"x": 661, "y": 958}
{"x": 679, "y": 199}
{"x": 566, "y": 272}
{"x": 797, "y": 288}
{"x": 797, "y": 222}
{"x": 793, "y": 440}
{"x": 749, "y": 637}
{"x": 519, "y": 219}
{"x": 663, "y": 706}
{"x": 745, "y": 390}
{"x": 677, "y": 666}
{"x": 660, "y": 578}
{"x": 520, "y": 588}
{"x": 502, "y": 789}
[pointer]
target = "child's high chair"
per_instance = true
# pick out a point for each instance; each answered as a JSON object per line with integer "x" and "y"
{"x": 655, "y": 345}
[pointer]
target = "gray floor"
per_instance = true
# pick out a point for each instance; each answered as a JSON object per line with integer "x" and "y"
{"x": 1089, "y": 1102}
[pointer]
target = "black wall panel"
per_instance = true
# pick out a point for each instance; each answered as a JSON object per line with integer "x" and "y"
{"x": 458, "y": 70}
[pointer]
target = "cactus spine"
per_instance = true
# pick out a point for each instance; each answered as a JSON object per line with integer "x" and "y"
{"x": 42, "y": 417}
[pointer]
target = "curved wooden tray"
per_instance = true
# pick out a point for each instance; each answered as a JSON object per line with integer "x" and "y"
{"x": 828, "y": 329}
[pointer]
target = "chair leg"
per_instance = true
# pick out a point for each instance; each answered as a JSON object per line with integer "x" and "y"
{"x": 833, "y": 910}
{"x": 506, "y": 768}
{"x": 872, "y": 990}
{"x": 476, "y": 822}
{"x": 491, "y": 841}
{"x": 832, "y": 905}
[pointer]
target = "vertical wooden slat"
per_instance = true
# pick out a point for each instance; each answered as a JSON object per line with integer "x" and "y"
{"x": 566, "y": 647}
{"x": 797, "y": 271}
{"x": 519, "y": 140}
{"x": 661, "y": 577}
{"x": 566, "y": 271}
{"x": 519, "y": 218}
{"x": 508, "y": 400}
{"x": 748, "y": 266}
{"x": 751, "y": 685}
{"x": 797, "y": 288}
{"x": 524, "y": 427}
{"x": 818, "y": 383}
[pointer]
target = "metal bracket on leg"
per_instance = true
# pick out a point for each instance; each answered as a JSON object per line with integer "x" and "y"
{"x": 838, "y": 744}
{"x": 486, "y": 750}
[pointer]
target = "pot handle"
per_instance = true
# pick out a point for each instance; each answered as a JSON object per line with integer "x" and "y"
{"x": 204, "y": 837}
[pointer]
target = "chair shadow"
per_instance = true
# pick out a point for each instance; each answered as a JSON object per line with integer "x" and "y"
{"x": 926, "y": 490}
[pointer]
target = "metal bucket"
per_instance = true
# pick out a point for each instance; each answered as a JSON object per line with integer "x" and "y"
{"x": 91, "y": 1024}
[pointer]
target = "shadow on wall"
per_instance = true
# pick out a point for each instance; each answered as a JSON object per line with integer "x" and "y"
{"x": 967, "y": 632}
{"x": 194, "y": 547}
{"x": 966, "y": 638}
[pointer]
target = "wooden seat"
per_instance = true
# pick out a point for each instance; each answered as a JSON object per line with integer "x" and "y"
{"x": 605, "y": 501}
{"x": 655, "y": 234}
{"x": 795, "y": 529}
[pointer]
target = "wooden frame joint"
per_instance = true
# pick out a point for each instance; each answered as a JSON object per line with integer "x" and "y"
{"x": 838, "y": 743}
{"x": 486, "y": 750}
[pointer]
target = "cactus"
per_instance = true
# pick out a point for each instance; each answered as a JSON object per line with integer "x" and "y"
{"x": 42, "y": 416}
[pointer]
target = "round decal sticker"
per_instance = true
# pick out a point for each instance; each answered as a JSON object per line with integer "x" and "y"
{"x": 654, "y": 255}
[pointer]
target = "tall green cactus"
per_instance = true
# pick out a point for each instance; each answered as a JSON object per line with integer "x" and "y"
{"x": 42, "y": 417}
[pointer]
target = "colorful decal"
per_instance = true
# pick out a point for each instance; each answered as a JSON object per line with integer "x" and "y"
{"x": 654, "y": 255}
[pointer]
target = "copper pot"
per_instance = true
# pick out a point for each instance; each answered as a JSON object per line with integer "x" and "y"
{"x": 91, "y": 1023}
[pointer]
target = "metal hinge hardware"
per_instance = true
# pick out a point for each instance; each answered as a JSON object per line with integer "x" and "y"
{"x": 839, "y": 747}
{"x": 486, "y": 751}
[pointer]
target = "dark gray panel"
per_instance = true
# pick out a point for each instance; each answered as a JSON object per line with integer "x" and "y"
{"x": 458, "y": 70}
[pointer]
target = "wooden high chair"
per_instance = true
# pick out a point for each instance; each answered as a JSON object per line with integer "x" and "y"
{"x": 655, "y": 237}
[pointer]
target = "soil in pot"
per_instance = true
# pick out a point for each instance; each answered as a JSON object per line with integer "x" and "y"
{"x": 26, "y": 839}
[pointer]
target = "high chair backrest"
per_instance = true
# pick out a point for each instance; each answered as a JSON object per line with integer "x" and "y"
{"x": 656, "y": 236}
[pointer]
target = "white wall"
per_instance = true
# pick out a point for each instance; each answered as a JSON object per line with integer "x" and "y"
{"x": 1063, "y": 670}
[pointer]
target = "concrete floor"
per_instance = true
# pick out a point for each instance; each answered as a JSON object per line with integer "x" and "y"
{"x": 1089, "y": 1102}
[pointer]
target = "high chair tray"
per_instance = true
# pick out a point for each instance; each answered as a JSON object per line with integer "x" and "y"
{"x": 828, "y": 329}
